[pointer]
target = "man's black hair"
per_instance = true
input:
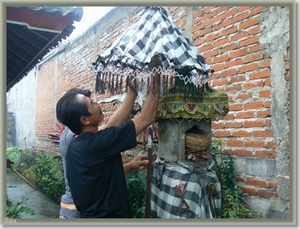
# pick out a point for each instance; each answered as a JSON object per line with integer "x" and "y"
{"x": 69, "y": 110}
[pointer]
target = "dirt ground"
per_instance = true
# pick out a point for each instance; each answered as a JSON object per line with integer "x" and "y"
{"x": 17, "y": 189}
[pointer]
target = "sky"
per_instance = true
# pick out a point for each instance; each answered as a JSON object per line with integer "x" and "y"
{"x": 91, "y": 14}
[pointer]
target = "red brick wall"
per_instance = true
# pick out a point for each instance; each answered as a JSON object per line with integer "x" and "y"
{"x": 228, "y": 38}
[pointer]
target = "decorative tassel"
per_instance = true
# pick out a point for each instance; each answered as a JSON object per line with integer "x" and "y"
{"x": 112, "y": 84}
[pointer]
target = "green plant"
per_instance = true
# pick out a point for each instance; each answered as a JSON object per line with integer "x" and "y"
{"x": 13, "y": 152}
{"x": 49, "y": 175}
{"x": 233, "y": 204}
{"x": 14, "y": 211}
{"x": 136, "y": 183}
{"x": 44, "y": 170}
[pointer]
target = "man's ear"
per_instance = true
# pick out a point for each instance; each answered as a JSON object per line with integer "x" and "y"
{"x": 84, "y": 120}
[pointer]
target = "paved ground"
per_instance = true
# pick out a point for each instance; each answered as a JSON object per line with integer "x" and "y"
{"x": 17, "y": 189}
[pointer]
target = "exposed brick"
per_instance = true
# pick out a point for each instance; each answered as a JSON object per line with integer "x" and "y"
{"x": 256, "y": 10}
{"x": 215, "y": 125}
{"x": 243, "y": 8}
{"x": 262, "y": 133}
{"x": 223, "y": 24}
{"x": 267, "y": 82}
{"x": 240, "y": 17}
{"x": 221, "y": 42}
{"x": 245, "y": 115}
{"x": 248, "y": 68}
{"x": 263, "y": 114}
{"x": 250, "y": 85}
{"x": 236, "y": 87}
{"x": 229, "y": 116}
{"x": 255, "y": 123}
{"x": 239, "y": 36}
{"x": 271, "y": 184}
{"x": 241, "y": 133}
{"x": 233, "y": 63}
{"x": 220, "y": 82}
{"x": 243, "y": 152}
{"x": 229, "y": 72}
{"x": 212, "y": 21}
{"x": 265, "y": 63}
{"x": 254, "y": 30}
{"x": 195, "y": 36}
{"x": 240, "y": 179}
{"x": 249, "y": 23}
{"x": 235, "y": 107}
{"x": 202, "y": 18}
{"x": 267, "y": 122}
{"x": 234, "y": 143}
{"x": 197, "y": 14}
{"x": 266, "y": 194}
{"x": 217, "y": 67}
{"x": 264, "y": 94}
{"x": 244, "y": 96}
{"x": 221, "y": 58}
{"x": 205, "y": 31}
{"x": 287, "y": 57}
{"x": 229, "y": 13}
{"x": 287, "y": 66}
{"x": 240, "y": 52}
{"x": 208, "y": 9}
{"x": 271, "y": 144}
{"x": 222, "y": 133}
{"x": 220, "y": 10}
{"x": 202, "y": 48}
{"x": 248, "y": 190}
{"x": 233, "y": 124}
{"x": 253, "y": 105}
{"x": 227, "y": 32}
{"x": 212, "y": 37}
{"x": 256, "y": 144}
{"x": 229, "y": 47}
{"x": 260, "y": 74}
{"x": 210, "y": 53}
{"x": 265, "y": 153}
{"x": 255, "y": 182}
{"x": 287, "y": 77}
{"x": 236, "y": 79}
{"x": 254, "y": 48}
{"x": 253, "y": 57}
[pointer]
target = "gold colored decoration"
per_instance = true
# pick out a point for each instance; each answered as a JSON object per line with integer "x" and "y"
{"x": 213, "y": 105}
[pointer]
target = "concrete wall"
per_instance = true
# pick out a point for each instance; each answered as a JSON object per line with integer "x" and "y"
{"x": 248, "y": 47}
{"x": 21, "y": 100}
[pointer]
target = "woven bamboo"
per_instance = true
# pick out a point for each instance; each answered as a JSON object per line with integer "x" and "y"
{"x": 194, "y": 142}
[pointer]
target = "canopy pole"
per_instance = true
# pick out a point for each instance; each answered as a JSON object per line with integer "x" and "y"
{"x": 149, "y": 173}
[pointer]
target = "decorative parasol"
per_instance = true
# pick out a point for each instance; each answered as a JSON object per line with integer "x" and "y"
{"x": 184, "y": 70}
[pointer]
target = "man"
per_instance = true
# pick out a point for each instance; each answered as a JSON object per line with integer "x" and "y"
{"x": 67, "y": 207}
{"x": 95, "y": 171}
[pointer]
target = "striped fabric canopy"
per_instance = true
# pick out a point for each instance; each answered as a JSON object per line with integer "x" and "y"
{"x": 154, "y": 34}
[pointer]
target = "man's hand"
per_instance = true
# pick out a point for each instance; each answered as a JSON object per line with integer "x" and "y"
{"x": 131, "y": 83}
{"x": 136, "y": 163}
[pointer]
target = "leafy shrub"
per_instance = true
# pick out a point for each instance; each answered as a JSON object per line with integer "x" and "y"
{"x": 234, "y": 205}
{"x": 13, "y": 152}
{"x": 15, "y": 211}
{"x": 136, "y": 183}
{"x": 49, "y": 175}
{"x": 44, "y": 170}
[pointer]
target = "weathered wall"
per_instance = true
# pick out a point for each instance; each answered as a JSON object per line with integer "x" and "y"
{"x": 248, "y": 47}
{"x": 21, "y": 100}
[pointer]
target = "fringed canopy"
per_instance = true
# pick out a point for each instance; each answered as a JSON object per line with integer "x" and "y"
{"x": 184, "y": 70}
